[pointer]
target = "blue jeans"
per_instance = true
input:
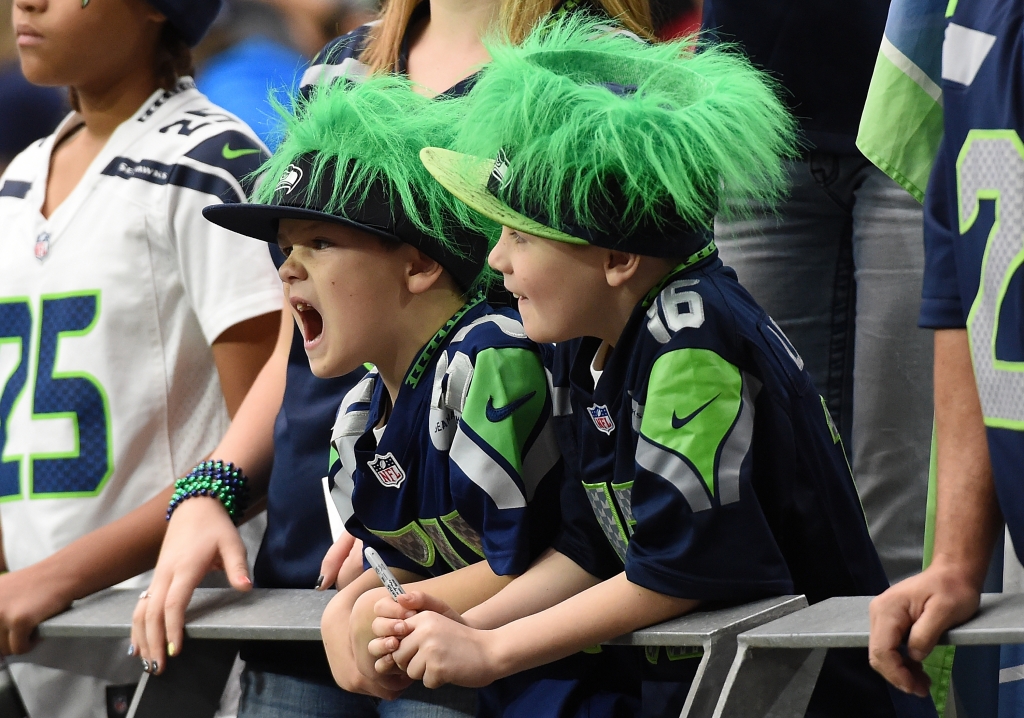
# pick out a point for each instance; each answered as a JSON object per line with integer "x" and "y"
{"x": 840, "y": 269}
{"x": 272, "y": 695}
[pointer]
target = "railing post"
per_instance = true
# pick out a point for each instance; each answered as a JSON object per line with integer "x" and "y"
{"x": 191, "y": 684}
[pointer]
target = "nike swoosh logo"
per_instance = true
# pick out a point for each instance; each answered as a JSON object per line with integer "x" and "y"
{"x": 678, "y": 423}
{"x": 500, "y": 414}
{"x": 230, "y": 154}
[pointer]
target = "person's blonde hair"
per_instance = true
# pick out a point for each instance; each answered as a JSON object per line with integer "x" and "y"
{"x": 517, "y": 18}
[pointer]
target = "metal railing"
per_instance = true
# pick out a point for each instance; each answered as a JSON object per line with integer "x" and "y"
{"x": 759, "y": 659}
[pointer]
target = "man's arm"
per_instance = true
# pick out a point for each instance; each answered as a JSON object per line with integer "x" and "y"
{"x": 967, "y": 522}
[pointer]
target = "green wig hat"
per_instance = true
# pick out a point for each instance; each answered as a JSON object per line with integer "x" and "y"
{"x": 585, "y": 135}
{"x": 350, "y": 156}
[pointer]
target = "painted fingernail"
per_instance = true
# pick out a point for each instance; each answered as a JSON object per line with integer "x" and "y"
{"x": 154, "y": 667}
{"x": 145, "y": 665}
{"x": 131, "y": 650}
{"x": 319, "y": 582}
{"x": 171, "y": 649}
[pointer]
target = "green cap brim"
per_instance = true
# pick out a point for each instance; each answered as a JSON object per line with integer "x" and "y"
{"x": 465, "y": 176}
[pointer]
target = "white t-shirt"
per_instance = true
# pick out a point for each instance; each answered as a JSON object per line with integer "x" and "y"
{"x": 108, "y": 388}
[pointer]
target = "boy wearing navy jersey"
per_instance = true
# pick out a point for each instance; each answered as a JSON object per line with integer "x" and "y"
{"x": 702, "y": 465}
{"x": 446, "y": 453}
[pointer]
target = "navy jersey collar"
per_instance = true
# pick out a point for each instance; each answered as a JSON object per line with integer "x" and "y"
{"x": 380, "y": 402}
{"x": 618, "y": 359}
{"x": 425, "y": 359}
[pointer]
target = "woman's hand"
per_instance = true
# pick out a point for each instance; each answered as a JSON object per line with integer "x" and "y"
{"x": 200, "y": 538}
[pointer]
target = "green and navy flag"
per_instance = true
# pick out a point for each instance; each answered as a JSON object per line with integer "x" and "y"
{"x": 900, "y": 130}
{"x": 901, "y": 126}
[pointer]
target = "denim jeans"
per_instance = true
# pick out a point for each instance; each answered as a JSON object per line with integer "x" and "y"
{"x": 839, "y": 267}
{"x": 272, "y": 695}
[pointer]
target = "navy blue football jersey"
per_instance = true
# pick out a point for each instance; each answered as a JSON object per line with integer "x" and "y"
{"x": 705, "y": 464}
{"x": 467, "y": 466}
{"x": 974, "y": 227}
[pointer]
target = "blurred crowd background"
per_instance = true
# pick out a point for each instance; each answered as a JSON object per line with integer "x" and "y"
{"x": 255, "y": 47}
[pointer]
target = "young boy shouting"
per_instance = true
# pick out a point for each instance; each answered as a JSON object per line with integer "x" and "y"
{"x": 447, "y": 461}
{"x": 702, "y": 464}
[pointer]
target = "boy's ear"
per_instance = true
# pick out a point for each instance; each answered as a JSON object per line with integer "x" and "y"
{"x": 619, "y": 267}
{"x": 422, "y": 272}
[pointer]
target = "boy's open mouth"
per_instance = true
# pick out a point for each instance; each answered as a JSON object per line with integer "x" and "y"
{"x": 311, "y": 321}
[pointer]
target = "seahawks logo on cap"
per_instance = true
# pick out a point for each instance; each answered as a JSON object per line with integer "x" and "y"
{"x": 500, "y": 171}
{"x": 291, "y": 178}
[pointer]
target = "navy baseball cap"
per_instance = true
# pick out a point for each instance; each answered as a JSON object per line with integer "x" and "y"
{"x": 299, "y": 196}
{"x": 191, "y": 18}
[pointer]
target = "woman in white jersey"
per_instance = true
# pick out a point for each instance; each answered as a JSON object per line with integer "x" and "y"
{"x": 130, "y": 327}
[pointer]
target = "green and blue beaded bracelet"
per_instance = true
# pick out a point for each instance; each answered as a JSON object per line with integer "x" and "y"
{"x": 219, "y": 480}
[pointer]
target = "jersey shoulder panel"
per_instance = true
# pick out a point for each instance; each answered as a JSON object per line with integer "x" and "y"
{"x": 192, "y": 144}
{"x": 496, "y": 384}
{"x": 498, "y": 334}
{"x": 27, "y": 167}
{"x": 500, "y": 328}
{"x": 339, "y": 58}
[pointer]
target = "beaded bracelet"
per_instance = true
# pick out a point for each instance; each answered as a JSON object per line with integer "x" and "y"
{"x": 216, "y": 479}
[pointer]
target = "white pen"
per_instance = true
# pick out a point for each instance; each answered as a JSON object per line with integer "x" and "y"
{"x": 383, "y": 573}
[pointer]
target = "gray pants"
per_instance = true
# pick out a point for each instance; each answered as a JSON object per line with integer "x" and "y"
{"x": 839, "y": 268}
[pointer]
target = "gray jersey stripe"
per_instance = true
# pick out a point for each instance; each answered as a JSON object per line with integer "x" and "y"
{"x": 737, "y": 445}
{"x": 352, "y": 423}
{"x": 486, "y": 473}
{"x": 541, "y": 458}
{"x": 560, "y": 405}
{"x": 674, "y": 470}
{"x": 508, "y": 325}
{"x": 637, "y": 415}
{"x": 460, "y": 376}
{"x": 606, "y": 519}
{"x": 341, "y": 493}
{"x": 350, "y": 68}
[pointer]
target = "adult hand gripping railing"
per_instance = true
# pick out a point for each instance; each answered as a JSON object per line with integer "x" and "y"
{"x": 777, "y": 663}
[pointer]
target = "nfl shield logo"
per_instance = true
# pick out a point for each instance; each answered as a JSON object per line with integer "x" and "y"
{"x": 387, "y": 470}
{"x": 602, "y": 419}
{"x": 42, "y": 246}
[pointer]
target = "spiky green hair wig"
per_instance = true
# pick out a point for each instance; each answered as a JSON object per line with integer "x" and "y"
{"x": 597, "y": 134}
{"x": 350, "y": 150}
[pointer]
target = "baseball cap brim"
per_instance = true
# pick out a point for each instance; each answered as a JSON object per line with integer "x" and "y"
{"x": 465, "y": 176}
{"x": 261, "y": 221}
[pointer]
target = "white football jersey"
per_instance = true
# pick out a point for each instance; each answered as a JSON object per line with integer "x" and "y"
{"x": 108, "y": 388}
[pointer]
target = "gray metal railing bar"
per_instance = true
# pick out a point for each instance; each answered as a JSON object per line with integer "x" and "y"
{"x": 261, "y": 614}
{"x": 217, "y": 619}
{"x": 777, "y": 663}
{"x": 700, "y": 627}
{"x": 843, "y": 623}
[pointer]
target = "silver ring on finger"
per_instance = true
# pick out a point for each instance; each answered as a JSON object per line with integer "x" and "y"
{"x": 144, "y": 594}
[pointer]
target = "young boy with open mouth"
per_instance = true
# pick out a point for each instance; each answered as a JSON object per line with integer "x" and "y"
{"x": 447, "y": 461}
